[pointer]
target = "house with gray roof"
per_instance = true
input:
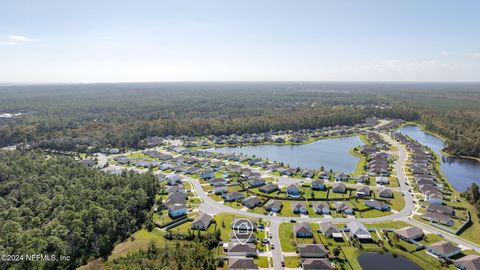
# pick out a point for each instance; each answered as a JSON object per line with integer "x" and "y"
{"x": 268, "y": 188}
{"x": 232, "y": 196}
{"x": 244, "y": 250}
{"x": 469, "y": 262}
{"x": 330, "y": 230}
{"x": 303, "y": 230}
{"x": 385, "y": 192}
{"x": 201, "y": 222}
{"x": 316, "y": 264}
{"x": 379, "y": 205}
{"x": 321, "y": 208}
{"x": 409, "y": 233}
{"x": 251, "y": 202}
{"x": 312, "y": 250}
{"x": 358, "y": 231}
{"x": 339, "y": 188}
{"x": 443, "y": 249}
{"x": 273, "y": 206}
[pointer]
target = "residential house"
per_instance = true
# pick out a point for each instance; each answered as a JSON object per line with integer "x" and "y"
{"x": 173, "y": 179}
{"x": 299, "y": 208}
{"x": 317, "y": 264}
{"x": 240, "y": 249}
{"x": 324, "y": 175}
{"x": 232, "y": 196}
{"x": 382, "y": 180}
{"x": 339, "y": 188}
{"x": 469, "y": 262}
{"x": 294, "y": 190}
{"x": 220, "y": 189}
{"x": 438, "y": 218}
{"x": 176, "y": 209}
{"x": 379, "y": 205}
{"x": 308, "y": 173}
{"x": 201, "y": 222}
{"x": 242, "y": 264}
{"x": 358, "y": 231}
{"x": 385, "y": 192}
{"x": 343, "y": 207}
{"x": 312, "y": 251}
{"x": 321, "y": 208}
{"x": 256, "y": 182}
{"x": 330, "y": 230}
{"x": 207, "y": 175}
{"x": 218, "y": 182}
{"x": 443, "y": 249}
{"x": 251, "y": 202}
{"x": 239, "y": 237}
{"x": 362, "y": 178}
{"x": 273, "y": 206}
{"x": 268, "y": 188}
{"x": 441, "y": 209}
{"x": 318, "y": 184}
{"x": 236, "y": 225}
{"x": 303, "y": 230}
{"x": 342, "y": 177}
{"x": 409, "y": 233}
{"x": 363, "y": 191}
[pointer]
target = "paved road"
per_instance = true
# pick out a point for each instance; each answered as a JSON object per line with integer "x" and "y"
{"x": 213, "y": 207}
{"x": 277, "y": 251}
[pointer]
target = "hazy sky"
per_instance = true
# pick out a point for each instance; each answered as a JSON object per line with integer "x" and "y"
{"x": 198, "y": 40}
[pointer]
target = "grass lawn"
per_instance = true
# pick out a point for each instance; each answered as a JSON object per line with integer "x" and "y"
{"x": 360, "y": 168}
{"x": 262, "y": 261}
{"x": 286, "y": 237}
{"x": 373, "y": 213}
{"x": 292, "y": 261}
{"x": 387, "y": 225}
{"x": 139, "y": 240}
{"x": 287, "y": 209}
{"x": 236, "y": 205}
{"x": 397, "y": 202}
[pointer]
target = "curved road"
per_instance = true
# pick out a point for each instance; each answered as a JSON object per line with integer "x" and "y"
{"x": 211, "y": 206}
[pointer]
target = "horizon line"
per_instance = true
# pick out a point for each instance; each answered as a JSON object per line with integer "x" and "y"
{"x": 4, "y": 84}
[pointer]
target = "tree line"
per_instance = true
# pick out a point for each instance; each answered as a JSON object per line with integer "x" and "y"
{"x": 54, "y": 206}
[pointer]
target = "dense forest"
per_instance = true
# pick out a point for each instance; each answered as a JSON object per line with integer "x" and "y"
{"x": 90, "y": 116}
{"x": 177, "y": 256}
{"x": 472, "y": 195}
{"x": 51, "y": 205}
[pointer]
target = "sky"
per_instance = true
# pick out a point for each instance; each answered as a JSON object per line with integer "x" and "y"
{"x": 246, "y": 40}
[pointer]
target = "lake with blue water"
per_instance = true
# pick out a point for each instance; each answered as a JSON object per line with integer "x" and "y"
{"x": 382, "y": 261}
{"x": 461, "y": 172}
{"x": 331, "y": 153}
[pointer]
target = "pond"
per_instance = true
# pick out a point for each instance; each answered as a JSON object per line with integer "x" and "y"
{"x": 461, "y": 172}
{"x": 332, "y": 153}
{"x": 382, "y": 261}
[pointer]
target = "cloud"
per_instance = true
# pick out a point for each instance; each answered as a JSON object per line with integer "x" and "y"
{"x": 20, "y": 38}
{"x": 475, "y": 54}
{"x": 446, "y": 53}
{"x": 15, "y": 39}
{"x": 8, "y": 43}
